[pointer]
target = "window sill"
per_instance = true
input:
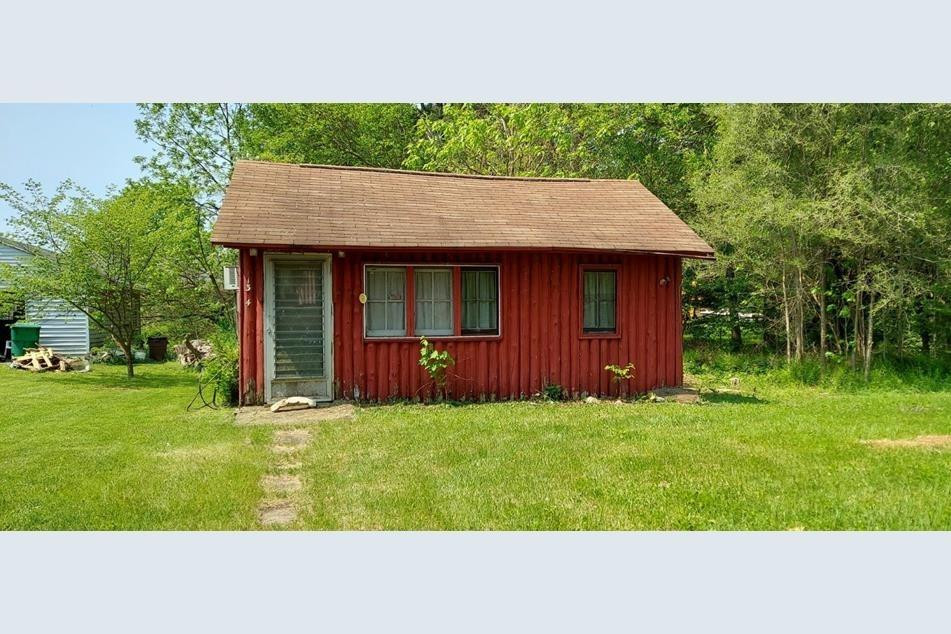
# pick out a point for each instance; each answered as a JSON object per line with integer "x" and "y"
{"x": 447, "y": 338}
{"x": 599, "y": 335}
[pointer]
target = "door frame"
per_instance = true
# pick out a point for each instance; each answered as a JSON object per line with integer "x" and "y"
{"x": 325, "y": 260}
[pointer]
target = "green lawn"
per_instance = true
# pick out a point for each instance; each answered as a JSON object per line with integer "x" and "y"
{"x": 96, "y": 451}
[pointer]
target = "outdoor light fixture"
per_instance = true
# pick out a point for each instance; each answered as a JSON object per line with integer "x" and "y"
{"x": 664, "y": 281}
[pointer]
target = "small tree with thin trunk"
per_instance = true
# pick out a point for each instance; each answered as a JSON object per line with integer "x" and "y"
{"x": 110, "y": 258}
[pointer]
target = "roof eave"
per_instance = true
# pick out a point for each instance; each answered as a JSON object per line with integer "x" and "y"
{"x": 697, "y": 255}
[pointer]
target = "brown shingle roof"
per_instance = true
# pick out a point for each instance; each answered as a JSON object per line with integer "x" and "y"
{"x": 272, "y": 204}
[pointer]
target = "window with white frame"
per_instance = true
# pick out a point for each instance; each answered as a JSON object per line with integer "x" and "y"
{"x": 433, "y": 289}
{"x": 386, "y": 301}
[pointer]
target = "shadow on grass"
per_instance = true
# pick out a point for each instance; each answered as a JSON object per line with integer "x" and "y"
{"x": 147, "y": 376}
{"x": 731, "y": 398}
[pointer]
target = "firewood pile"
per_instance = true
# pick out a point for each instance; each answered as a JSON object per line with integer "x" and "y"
{"x": 192, "y": 351}
{"x": 45, "y": 360}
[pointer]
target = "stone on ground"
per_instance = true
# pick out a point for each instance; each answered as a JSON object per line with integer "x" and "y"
{"x": 277, "y": 513}
{"x": 253, "y": 415}
{"x": 286, "y": 449}
{"x": 292, "y": 437}
{"x": 280, "y": 483}
{"x": 292, "y": 403}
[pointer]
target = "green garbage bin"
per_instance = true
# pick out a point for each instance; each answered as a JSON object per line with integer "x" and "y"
{"x": 23, "y": 336}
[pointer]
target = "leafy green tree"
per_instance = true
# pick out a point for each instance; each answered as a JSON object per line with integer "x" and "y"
{"x": 657, "y": 144}
{"x": 798, "y": 194}
{"x": 111, "y": 258}
{"x": 371, "y": 135}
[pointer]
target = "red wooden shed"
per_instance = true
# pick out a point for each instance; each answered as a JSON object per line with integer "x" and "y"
{"x": 528, "y": 282}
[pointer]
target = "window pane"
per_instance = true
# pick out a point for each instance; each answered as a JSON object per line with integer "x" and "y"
{"x": 395, "y": 316}
{"x": 488, "y": 289}
{"x": 470, "y": 284}
{"x": 396, "y": 283}
{"x": 442, "y": 284}
{"x": 590, "y": 285}
{"x": 376, "y": 316}
{"x": 376, "y": 283}
{"x": 424, "y": 285}
{"x": 590, "y": 314}
{"x": 606, "y": 316}
{"x": 607, "y": 285}
{"x": 424, "y": 316}
{"x": 485, "y": 312}
{"x": 469, "y": 313}
{"x": 442, "y": 317}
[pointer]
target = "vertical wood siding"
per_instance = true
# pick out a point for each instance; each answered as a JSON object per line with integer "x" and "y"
{"x": 540, "y": 343}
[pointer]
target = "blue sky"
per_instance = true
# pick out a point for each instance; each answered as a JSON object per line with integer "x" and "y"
{"x": 93, "y": 144}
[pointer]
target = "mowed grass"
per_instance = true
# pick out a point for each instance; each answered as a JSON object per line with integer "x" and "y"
{"x": 782, "y": 459}
{"x": 100, "y": 451}
{"x": 97, "y": 451}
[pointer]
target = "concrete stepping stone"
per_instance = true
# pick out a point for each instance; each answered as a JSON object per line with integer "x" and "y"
{"x": 286, "y": 449}
{"x": 281, "y": 483}
{"x": 277, "y": 513}
{"x": 292, "y": 437}
{"x": 257, "y": 415}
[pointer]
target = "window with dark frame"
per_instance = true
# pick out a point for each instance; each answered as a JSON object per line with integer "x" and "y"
{"x": 480, "y": 301}
{"x": 600, "y": 301}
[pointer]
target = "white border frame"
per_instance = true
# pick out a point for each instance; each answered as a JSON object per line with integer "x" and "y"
{"x": 326, "y": 267}
{"x": 413, "y": 337}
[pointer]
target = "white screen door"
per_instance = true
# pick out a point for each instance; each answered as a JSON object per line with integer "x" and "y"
{"x": 299, "y": 329}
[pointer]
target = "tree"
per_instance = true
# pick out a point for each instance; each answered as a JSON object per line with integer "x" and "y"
{"x": 197, "y": 145}
{"x": 832, "y": 209}
{"x": 112, "y": 258}
{"x": 370, "y": 135}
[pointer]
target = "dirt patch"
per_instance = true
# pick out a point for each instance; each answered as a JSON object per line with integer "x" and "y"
{"x": 277, "y": 513}
{"x": 281, "y": 483}
{"x": 292, "y": 437}
{"x": 264, "y": 416}
{"x": 219, "y": 450}
{"x": 920, "y": 441}
{"x": 678, "y": 394}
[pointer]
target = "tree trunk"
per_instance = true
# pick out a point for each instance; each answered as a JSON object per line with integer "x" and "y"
{"x": 800, "y": 316}
{"x": 856, "y": 336}
{"x": 868, "y": 340}
{"x": 786, "y": 316}
{"x": 736, "y": 333}
{"x": 822, "y": 315}
{"x": 127, "y": 351}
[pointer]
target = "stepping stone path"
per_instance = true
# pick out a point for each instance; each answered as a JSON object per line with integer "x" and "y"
{"x": 280, "y": 505}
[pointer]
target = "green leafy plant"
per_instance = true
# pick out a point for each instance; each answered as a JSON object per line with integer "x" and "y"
{"x": 436, "y": 363}
{"x": 220, "y": 369}
{"x": 621, "y": 373}
{"x": 553, "y": 392}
